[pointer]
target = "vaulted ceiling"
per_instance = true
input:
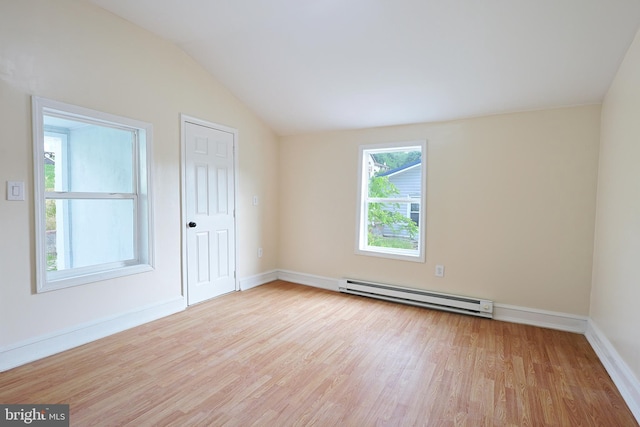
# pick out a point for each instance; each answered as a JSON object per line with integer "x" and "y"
{"x": 306, "y": 66}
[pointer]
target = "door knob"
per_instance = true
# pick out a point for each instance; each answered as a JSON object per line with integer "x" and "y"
{"x": 192, "y": 224}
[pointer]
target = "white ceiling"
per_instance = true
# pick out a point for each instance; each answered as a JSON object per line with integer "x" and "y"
{"x": 311, "y": 65}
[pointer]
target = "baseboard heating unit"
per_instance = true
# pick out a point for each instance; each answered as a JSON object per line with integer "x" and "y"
{"x": 417, "y": 297}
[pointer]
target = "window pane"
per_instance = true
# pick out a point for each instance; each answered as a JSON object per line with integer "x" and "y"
{"x": 390, "y": 226}
{"x": 88, "y": 157}
{"x": 395, "y": 163}
{"x": 53, "y": 143}
{"x": 415, "y": 213}
{"x": 83, "y": 233}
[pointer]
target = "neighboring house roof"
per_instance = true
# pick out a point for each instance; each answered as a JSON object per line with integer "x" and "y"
{"x": 49, "y": 158}
{"x": 401, "y": 168}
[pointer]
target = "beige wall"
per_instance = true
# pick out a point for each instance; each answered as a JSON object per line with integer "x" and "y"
{"x": 77, "y": 53}
{"x": 511, "y": 202}
{"x": 616, "y": 269}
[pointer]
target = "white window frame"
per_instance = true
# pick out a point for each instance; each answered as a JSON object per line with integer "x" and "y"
{"x": 141, "y": 196}
{"x": 363, "y": 198}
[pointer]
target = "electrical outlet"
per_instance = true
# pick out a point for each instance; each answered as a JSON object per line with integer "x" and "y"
{"x": 259, "y": 252}
{"x": 439, "y": 270}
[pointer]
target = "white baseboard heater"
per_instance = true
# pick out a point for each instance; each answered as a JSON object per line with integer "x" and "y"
{"x": 417, "y": 297}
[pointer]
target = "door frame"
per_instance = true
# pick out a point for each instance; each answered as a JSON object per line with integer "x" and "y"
{"x": 184, "y": 119}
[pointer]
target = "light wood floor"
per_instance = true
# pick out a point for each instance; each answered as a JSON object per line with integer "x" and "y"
{"x": 284, "y": 354}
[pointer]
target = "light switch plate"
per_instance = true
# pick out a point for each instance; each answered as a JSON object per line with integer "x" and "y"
{"x": 15, "y": 190}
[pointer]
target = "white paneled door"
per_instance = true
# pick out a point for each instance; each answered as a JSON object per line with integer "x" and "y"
{"x": 209, "y": 203}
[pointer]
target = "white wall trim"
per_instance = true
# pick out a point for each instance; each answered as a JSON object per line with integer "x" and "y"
{"x": 46, "y": 345}
{"x": 618, "y": 370}
{"x": 502, "y": 312}
{"x": 620, "y": 373}
{"x": 309, "y": 280}
{"x": 258, "y": 279}
{"x": 541, "y": 318}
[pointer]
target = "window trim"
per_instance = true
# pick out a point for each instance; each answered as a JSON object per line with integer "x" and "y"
{"x": 142, "y": 195}
{"x": 361, "y": 212}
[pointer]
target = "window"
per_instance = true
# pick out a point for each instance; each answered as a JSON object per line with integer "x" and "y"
{"x": 92, "y": 195}
{"x": 392, "y": 186}
{"x": 414, "y": 213}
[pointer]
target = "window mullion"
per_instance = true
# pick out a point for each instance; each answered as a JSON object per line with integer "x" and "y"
{"x": 391, "y": 200}
{"x": 69, "y": 195}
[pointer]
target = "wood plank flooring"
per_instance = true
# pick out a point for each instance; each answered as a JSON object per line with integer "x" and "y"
{"x": 285, "y": 354}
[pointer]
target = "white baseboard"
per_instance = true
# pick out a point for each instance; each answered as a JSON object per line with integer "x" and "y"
{"x": 541, "y": 318}
{"x": 622, "y": 376}
{"x": 47, "y": 345}
{"x": 503, "y": 312}
{"x": 620, "y": 373}
{"x": 309, "y": 280}
{"x": 618, "y": 370}
{"x": 257, "y": 280}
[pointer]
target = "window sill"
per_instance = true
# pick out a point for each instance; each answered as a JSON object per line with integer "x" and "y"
{"x": 52, "y": 285}
{"x": 399, "y": 255}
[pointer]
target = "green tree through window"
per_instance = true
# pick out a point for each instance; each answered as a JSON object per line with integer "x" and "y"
{"x": 388, "y": 215}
